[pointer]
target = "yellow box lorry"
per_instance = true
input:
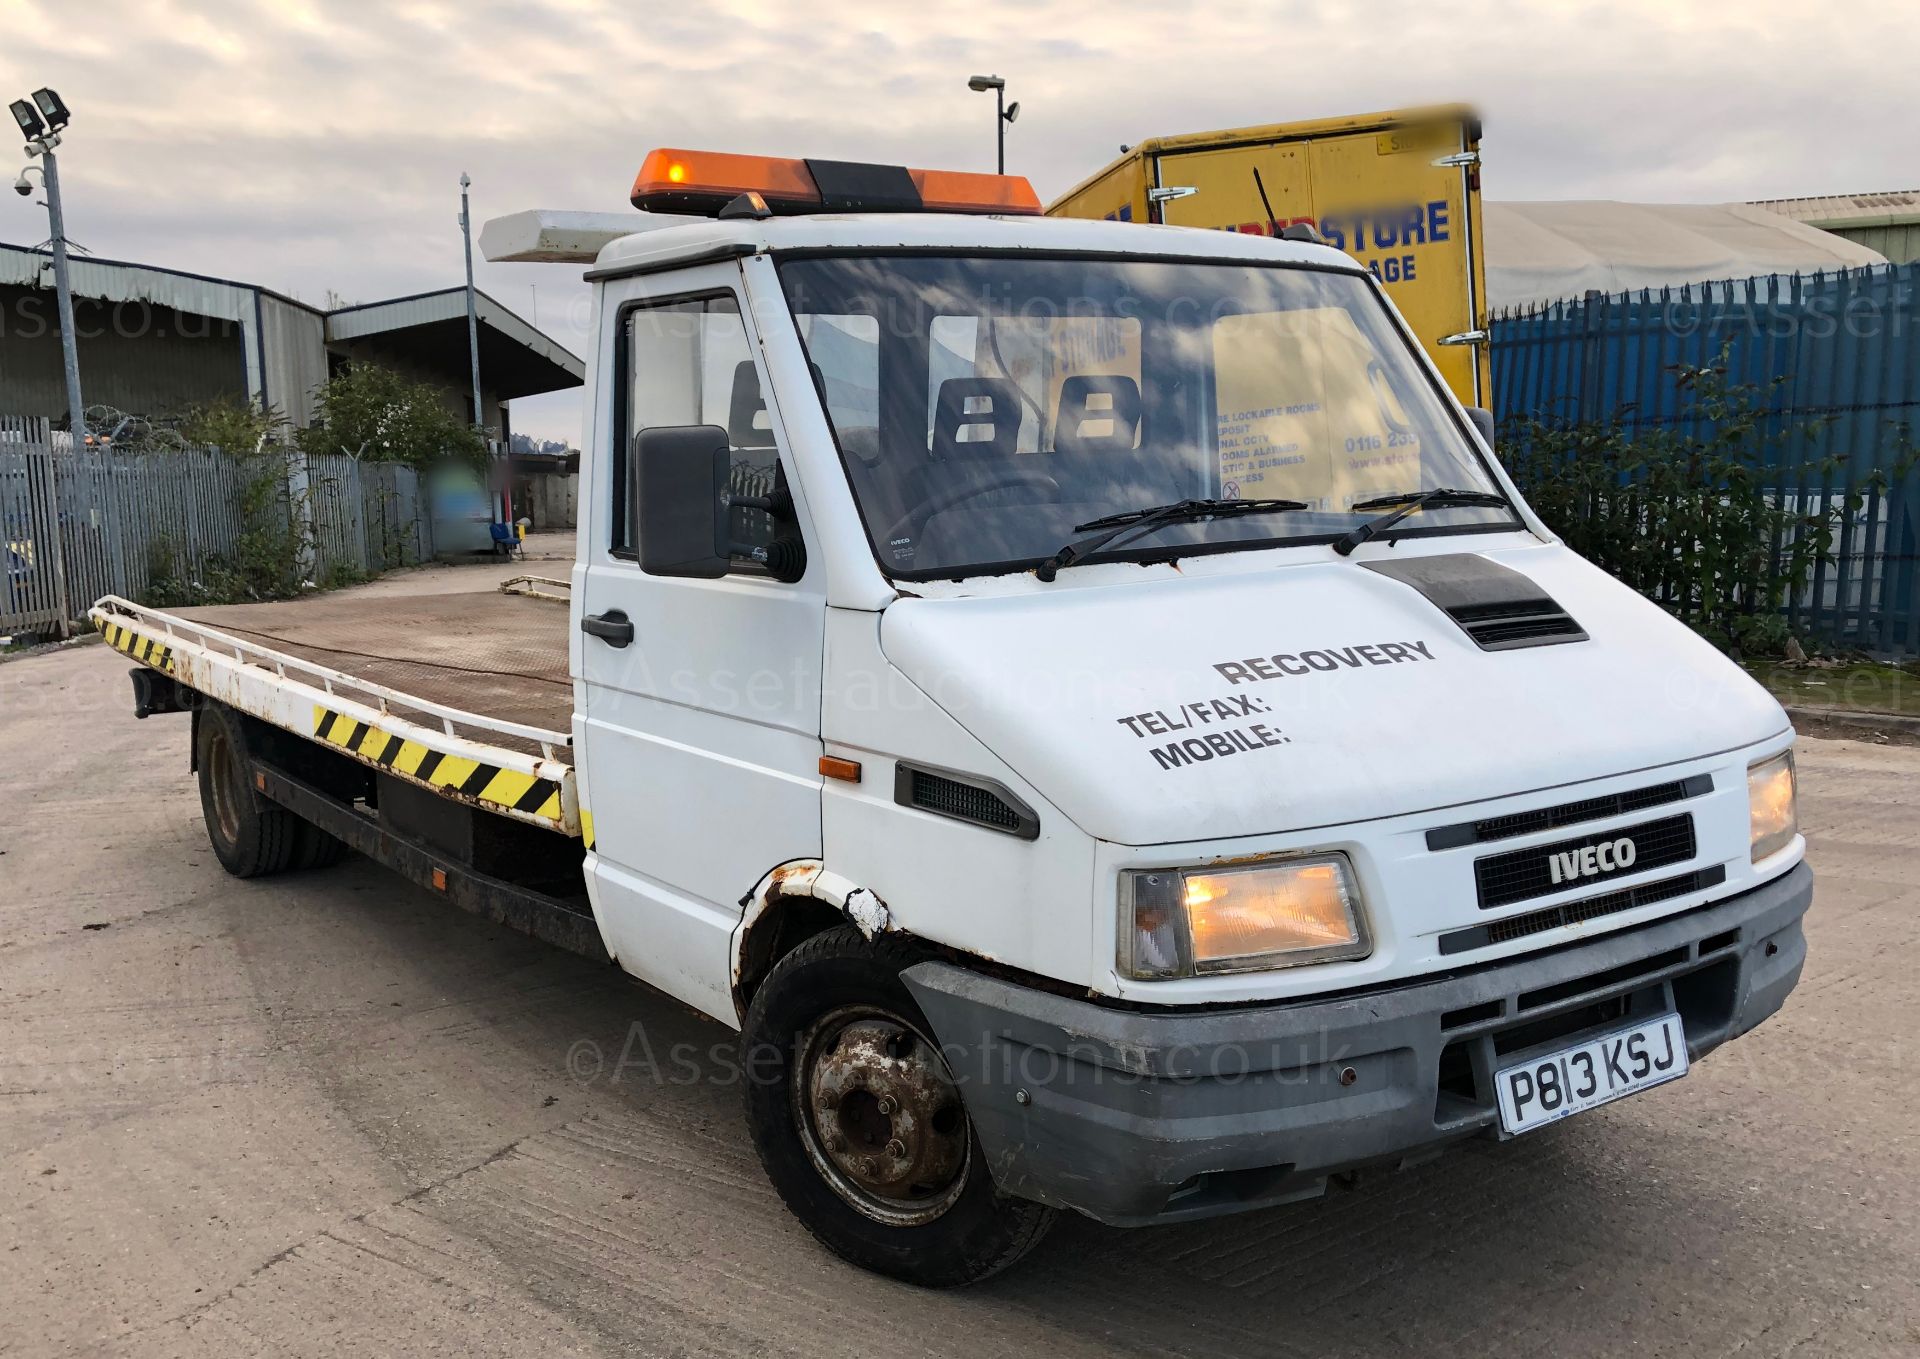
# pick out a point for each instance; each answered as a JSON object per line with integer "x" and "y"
{"x": 1399, "y": 191}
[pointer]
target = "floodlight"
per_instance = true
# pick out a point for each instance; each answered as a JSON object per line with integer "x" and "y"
{"x": 52, "y": 108}
{"x": 28, "y": 117}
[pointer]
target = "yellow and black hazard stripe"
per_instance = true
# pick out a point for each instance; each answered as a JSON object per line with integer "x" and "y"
{"x": 147, "y": 650}
{"x": 489, "y": 783}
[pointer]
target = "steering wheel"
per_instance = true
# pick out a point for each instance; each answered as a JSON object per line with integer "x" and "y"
{"x": 940, "y": 504}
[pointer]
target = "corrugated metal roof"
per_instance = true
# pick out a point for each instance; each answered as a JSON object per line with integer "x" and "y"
{"x": 119, "y": 281}
{"x": 1895, "y": 208}
{"x": 448, "y": 304}
{"x": 283, "y": 363}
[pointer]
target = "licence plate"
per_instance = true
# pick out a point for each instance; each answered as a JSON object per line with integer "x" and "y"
{"x": 1549, "y": 1087}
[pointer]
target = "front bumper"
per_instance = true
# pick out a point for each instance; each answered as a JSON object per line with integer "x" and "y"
{"x": 1133, "y": 1117}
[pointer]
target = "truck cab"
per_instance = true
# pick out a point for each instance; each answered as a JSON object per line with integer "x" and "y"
{"x": 1121, "y": 634}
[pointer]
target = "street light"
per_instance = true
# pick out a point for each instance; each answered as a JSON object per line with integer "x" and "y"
{"x": 473, "y": 341}
{"x": 1004, "y": 112}
{"x": 41, "y": 121}
{"x": 473, "y": 310}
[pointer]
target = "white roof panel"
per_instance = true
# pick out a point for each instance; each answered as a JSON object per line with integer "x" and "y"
{"x": 552, "y": 236}
{"x": 949, "y": 231}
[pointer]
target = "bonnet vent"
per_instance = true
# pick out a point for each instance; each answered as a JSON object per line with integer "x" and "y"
{"x": 1500, "y": 609}
{"x": 964, "y": 798}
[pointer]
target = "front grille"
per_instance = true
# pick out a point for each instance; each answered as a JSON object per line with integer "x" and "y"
{"x": 979, "y": 801}
{"x": 1573, "y": 912}
{"x": 1568, "y": 813}
{"x": 1506, "y": 878}
{"x": 1503, "y": 626}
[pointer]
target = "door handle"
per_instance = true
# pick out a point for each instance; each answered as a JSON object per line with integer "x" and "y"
{"x": 612, "y": 627}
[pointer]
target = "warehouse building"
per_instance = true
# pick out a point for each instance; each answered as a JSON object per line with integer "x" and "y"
{"x": 155, "y": 341}
{"x": 1888, "y": 223}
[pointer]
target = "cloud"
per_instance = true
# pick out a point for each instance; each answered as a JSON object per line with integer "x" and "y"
{"x": 316, "y": 144}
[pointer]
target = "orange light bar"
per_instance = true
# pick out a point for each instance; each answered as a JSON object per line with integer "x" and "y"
{"x": 703, "y": 182}
{"x": 693, "y": 180}
{"x": 964, "y": 191}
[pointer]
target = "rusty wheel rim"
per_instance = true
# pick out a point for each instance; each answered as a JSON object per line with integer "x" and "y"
{"x": 224, "y": 771}
{"x": 880, "y": 1116}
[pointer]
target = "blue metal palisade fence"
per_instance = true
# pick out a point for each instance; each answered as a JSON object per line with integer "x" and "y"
{"x": 1837, "y": 359}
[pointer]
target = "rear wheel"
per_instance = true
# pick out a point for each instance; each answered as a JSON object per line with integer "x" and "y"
{"x": 250, "y": 835}
{"x": 861, "y": 1127}
{"x": 315, "y": 848}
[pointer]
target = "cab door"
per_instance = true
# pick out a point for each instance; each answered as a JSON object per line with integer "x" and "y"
{"x": 697, "y": 726}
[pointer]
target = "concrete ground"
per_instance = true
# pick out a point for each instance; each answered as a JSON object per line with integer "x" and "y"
{"x": 325, "y": 1115}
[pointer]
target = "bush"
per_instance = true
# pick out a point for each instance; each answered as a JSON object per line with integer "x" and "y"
{"x": 231, "y": 424}
{"x": 1691, "y": 515}
{"x": 375, "y": 413}
{"x": 264, "y": 562}
{"x": 365, "y": 411}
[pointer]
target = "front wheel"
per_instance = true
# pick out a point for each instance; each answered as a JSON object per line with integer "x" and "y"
{"x": 860, "y": 1125}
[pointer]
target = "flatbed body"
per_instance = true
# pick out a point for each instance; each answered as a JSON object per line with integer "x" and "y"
{"x": 502, "y": 656}
{"x": 464, "y": 694}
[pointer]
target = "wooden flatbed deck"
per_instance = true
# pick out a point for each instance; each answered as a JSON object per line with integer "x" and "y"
{"x": 501, "y": 656}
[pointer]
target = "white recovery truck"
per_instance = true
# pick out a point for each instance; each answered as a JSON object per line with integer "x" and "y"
{"x": 1061, "y": 829}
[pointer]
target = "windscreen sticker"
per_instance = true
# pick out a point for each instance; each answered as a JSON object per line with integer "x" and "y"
{"x": 1306, "y": 410}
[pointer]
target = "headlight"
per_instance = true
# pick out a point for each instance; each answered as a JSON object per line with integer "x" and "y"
{"x": 1177, "y": 922}
{"x": 1770, "y": 804}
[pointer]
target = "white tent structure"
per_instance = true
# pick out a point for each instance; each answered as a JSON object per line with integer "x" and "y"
{"x": 1543, "y": 252}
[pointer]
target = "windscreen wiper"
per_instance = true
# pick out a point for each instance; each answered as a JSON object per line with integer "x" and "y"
{"x": 1113, "y": 526}
{"x": 1405, "y": 503}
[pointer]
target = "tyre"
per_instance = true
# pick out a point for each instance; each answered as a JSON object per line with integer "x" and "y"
{"x": 251, "y": 836}
{"x": 315, "y": 848}
{"x": 860, "y": 1126}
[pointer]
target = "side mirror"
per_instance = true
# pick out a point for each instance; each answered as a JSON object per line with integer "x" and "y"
{"x": 1483, "y": 421}
{"x": 677, "y": 500}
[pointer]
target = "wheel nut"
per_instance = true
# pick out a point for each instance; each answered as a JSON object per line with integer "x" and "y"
{"x": 896, "y": 1148}
{"x": 836, "y": 1143}
{"x": 888, "y": 1104}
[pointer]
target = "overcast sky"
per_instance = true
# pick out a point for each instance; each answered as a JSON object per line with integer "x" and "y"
{"x": 316, "y": 145}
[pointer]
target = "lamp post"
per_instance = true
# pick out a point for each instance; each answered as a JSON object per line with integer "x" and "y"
{"x": 473, "y": 350}
{"x": 473, "y": 310}
{"x": 41, "y": 120}
{"x": 1003, "y": 112}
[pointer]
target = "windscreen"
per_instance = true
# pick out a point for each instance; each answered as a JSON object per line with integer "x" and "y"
{"x": 987, "y": 408}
